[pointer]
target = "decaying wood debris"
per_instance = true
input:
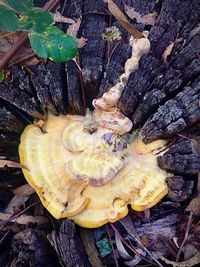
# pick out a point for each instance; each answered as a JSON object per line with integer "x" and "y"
{"x": 161, "y": 98}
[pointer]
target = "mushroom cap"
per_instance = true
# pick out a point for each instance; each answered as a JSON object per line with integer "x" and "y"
{"x": 86, "y": 177}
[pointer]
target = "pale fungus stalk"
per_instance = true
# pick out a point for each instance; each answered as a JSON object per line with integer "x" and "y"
{"x": 106, "y": 113}
{"x": 83, "y": 168}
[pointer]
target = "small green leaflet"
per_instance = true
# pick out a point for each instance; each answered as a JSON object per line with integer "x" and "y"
{"x": 53, "y": 44}
{"x": 19, "y": 6}
{"x": 35, "y": 20}
{"x": 46, "y": 40}
{"x": 1, "y": 75}
{"x": 8, "y": 20}
{"x": 104, "y": 247}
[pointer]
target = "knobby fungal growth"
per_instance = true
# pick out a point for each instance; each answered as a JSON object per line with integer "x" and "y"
{"x": 85, "y": 169}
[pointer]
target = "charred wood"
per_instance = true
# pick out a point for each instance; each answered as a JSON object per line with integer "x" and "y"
{"x": 68, "y": 246}
{"x": 18, "y": 91}
{"x": 175, "y": 115}
{"x": 9, "y": 123}
{"x": 31, "y": 248}
{"x": 74, "y": 87}
{"x": 92, "y": 55}
{"x": 48, "y": 81}
{"x": 180, "y": 189}
{"x": 169, "y": 25}
{"x": 75, "y": 92}
{"x": 180, "y": 158}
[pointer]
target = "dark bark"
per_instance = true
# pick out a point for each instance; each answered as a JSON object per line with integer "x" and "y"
{"x": 184, "y": 67}
{"x": 68, "y": 246}
{"x": 74, "y": 86}
{"x": 48, "y": 81}
{"x": 175, "y": 115}
{"x": 75, "y": 90}
{"x": 180, "y": 158}
{"x": 152, "y": 83}
{"x": 31, "y": 248}
{"x": 9, "y": 123}
{"x": 92, "y": 55}
{"x": 18, "y": 91}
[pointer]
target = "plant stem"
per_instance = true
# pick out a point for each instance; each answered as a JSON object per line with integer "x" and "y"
{"x": 50, "y": 5}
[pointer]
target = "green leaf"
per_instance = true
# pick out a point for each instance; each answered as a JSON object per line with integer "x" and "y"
{"x": 104, "y": 247}
{"x": 1, "y": 75}
{"x": 53, "y": 44}
{"x": 35, "y": 20}
{"x": 8, "y": 20}
{"x": 19, "y": 6}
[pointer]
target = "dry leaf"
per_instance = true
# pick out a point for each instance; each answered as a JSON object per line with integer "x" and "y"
{"x": 73, "y": 28}
{"x": 147, "y": 19}
{"x": 130, "y": 261}
{"x": 120, "y": 248}
{"x": 11, "y": 164}
{"x": 188, "y": 263}
{"x": 15, "y": 203}
{"x": 82, "y": 42}
{"x": 167, "y": 51}
{"x": 24, "y": 219}
{"x": 59, "y": 18}
{"x": 189, "y": 251}
{"x": 24, "y": 190}
{"x": 116, "y": 12}
{"x": 4, "y": 45}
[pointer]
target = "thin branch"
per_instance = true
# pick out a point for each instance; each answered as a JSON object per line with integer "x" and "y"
{"x": 130, "y": 247}
{"x": 4, "y": 236}
{"x": 130, "y": 228}
{"x": 185, "y": 237}
{"x": 110, "y": 240}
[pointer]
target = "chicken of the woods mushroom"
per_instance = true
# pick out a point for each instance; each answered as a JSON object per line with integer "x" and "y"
{"x": 85, "y": 168}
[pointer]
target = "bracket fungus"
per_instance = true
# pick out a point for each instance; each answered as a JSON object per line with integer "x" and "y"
{"x": 83, "y": 168}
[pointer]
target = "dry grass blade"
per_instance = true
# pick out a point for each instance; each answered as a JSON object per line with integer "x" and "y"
{"x": 11, "y": 164}
{"x": 116, "y": 12}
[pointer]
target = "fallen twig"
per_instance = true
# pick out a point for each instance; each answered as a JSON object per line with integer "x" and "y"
{"x": 4, "y": 236}
{"x": 110, "y": 240}
{"x": 130, "y": 247}
{"x": 132, "y": 232}
{"x": 188, "y": 263}
{"x": 185, "y": 237}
